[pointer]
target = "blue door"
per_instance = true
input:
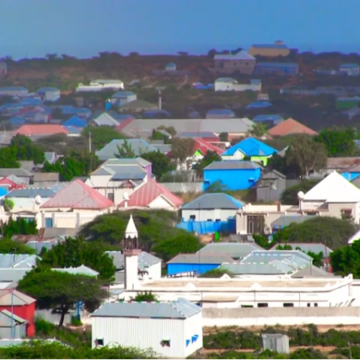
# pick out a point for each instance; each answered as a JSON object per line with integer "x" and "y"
{"x": 48, "y": 222}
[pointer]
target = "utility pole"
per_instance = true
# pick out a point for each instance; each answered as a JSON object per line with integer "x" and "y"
{"x": 12, "y": 305}
{"x": 159, "y": 89}
{"x": 90, "y": 149}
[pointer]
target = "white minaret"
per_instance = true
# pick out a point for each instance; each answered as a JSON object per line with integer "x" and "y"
{"x": 131, "y": 254}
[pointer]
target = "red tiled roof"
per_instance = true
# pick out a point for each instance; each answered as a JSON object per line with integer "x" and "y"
{"x": 45, "y": 129}
{"x": 124, "y": 124}
{"x": 148, "y": 192}
{"x": 78, "y": 195}
{"x": 204, "y": 146}
{"x": 289, "y": 127}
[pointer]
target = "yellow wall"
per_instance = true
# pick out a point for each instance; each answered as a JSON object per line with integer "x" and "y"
{"x": 268, "y": 52}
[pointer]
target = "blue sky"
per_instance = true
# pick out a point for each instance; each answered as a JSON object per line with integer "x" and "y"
{"x": 82, "y": 28}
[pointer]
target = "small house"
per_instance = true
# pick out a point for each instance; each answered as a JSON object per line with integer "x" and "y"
{"x": 211, "y": 207}
{"x": 172, "y": 329}
{"x": 49, "y": 94}
{"x": 270, "y": 50}
{"x": 241, "y": 62}
{"x": 123, "y": 97}
{"x": 287, "y": 69}
{"x": 170, "y": 67}
{"x": 232, "y": 174}
{"x": 291, "y": 127}
{"x": 75, "y": 121}
{"x": 251, "y": 148}
{"x": 347, "y": 102}
{"x": 352, "y": 173}
{"x": 350, "y": 69}
{"x": 229, "y": 84}
{"x": 197, "y": 263}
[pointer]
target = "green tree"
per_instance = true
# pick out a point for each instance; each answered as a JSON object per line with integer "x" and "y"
{"x": 217, "y": 273}
{"x": 208, "y": 159}
{"x": 62, "y": 290}
{"x": 25, "y": 149}
{"x": 224, "y": 136}
{"x": 181, "y": 149}
{"x": 290, "y": 195}
{"x": 8, "y": 204}
{"x": 100, "y": 136}
{"x": 182, "y": 243}
{"x": 216, "y": 187}
{"x": 8, "y": 246}
{"x": 20, "y": 226}
{"x": 307, "y": 155}
{"x": 125, "y": 151}
{"x": 330, "y": 231}
{"x": 346, "y": 260}
{"x": 338, "y": 141}
{"x": 258, "y": 130}
{"x": 8, "y": 158}
{"x": 77, "y": 252}
{"x": 145, "y": 296}
{"x": 161, "y": 164}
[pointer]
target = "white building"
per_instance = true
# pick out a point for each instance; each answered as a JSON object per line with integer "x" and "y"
{"x": 350, "y": 69}
{"x": 123, "y": 97}
{"x": 49, "y": 94}
{"x": 211, "y": 207}
{"x": 171, "y": 330}
{"x": 99, "y": 85}
{"x": 229, "y": 84}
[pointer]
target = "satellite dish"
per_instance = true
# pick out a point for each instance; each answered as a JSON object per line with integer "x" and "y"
{"x": 126, "y": 196}
{"x": 300, "y": 195}
{"x": 38, "y": 199}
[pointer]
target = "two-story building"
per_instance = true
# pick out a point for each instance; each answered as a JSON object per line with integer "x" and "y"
{"x": 241, "y": 62}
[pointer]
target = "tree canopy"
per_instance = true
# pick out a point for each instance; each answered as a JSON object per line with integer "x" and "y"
{"x": 125, "y": 151}
{"x": 25, "y": 149}
{"x": 181, "y": 149}
{"x": 55, "y": 289}
{"x": 346, "y": 260}
{"x": 208, "y": 159}
{"x": 154, "y": 227}
{"x": 289, "y": 195}
{"x": 100, "y": 136}
{"x": 8, "y": 246}
{"x": 20, "y": 226}
{"x": 77, "y": 252}
{"x": 161, "y": 164}
{"x": 307, "y": 155}
{"x": 338, "y": 141}
{"x": 330, "y": 231}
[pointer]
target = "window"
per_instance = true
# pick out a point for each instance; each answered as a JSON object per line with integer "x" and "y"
{"x": 246, "y": 306}
{"x": 165, "y": 343}
{"x": 316, "y": 305}
{"x": 288, "y": 305}
{"x": 111, "y": 196}
{"x": 209, "y": 220}
{"x": 217, "y": 220}
{"x": 308, "y": 304}
{"x": 263, "y": 305}
{"x": 192, "y": 217}
{"x": 99, "y": 342}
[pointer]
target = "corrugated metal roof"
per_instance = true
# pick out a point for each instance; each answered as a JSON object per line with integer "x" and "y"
{"x": 313, "y": 247}
{"x": 251, "y": 147}
{"x": 233, "y": 250}
{"x": 10, "y": 315}
{"x": 19, "y": 261}
{"x": 18, "y": 298}
{"x": 78, "y": 195}
{"x": 45, "y": 129}
{"x": 17, "y": 172}
{"x": 232, "y": 164}
{"x": 129, "y": 173}
{"x": 290, "y": 126}
{"x": 311, "y": 271}
{"x": 255, "y": 269}
{"x": 132, "y": 161}
{"x": 200, "y": 258}
{"x": 241, "y": 55}
{"x": 32, "y": 193}
{"x": 180, "y": 309}
{"x": 214, "y": 201}
{"x": 75, "y": 121}
{"x": 266, "y": 117}
{"x": 105, "y": 119}
{"x": 148, "y": 192}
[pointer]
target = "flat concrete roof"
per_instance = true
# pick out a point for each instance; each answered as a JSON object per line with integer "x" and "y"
{"x": 238, "y": 283}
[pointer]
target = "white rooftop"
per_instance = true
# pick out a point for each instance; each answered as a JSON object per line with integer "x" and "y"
{"x": 334, "y": 189}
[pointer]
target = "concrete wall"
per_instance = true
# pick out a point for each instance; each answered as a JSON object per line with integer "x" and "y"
{"x": 184, "y": 187}
{"x": 281, "y": 316}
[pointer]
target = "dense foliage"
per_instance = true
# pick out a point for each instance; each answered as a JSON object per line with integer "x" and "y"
{"x": 100, "y": 136}
{"x": 161, "y": 164}
{"x": 330, "y": 231}
{"x": 8, "y": 246}
{"x": 208, "y": 159}
{"x": 61, "y": 290}
{"x": 289, "y": 196}
{"x": 346, "y": 260}
{"x": 20, "y": 226}
{"x": 77, "y": 252}
{"x": 216, "y": 273}
{"x": 155, "y": 227}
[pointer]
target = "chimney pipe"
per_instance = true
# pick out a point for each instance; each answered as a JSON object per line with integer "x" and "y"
{"x": 278, "y": 206}
{"x": 125, "y": 204}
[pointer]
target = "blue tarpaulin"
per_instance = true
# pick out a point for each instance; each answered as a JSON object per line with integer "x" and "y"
{"x": 208, "y": 227}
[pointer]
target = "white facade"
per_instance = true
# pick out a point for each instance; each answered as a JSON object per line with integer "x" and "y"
{"x": 122, "y": 100}
{"x": 235, "y": 86}
{"x": 238, "y": 155}
{"x": 49, "y": 94}
{"x": 146, "y": 333}
{"x": 275, "y": 292}
{"x": 99, "y": 85}
{"x": 350, "y": 70}
{"x": 208, "y": 214}
{"x": 27, "y": 203}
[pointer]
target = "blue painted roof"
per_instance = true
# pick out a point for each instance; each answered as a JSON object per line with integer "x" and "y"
{"x": 17, "y": 120}
{"x": 31, "y": 102}
{"x": 73, "y": 129}
{"x": 265, "y": 117}
{"x": 270, "y": 46}
{"x": 251, "y": 147}
{"x": 75, "y": 121}
{"x": 3, "y": 192}
{"x": 259, "y": 104}
{"x": 276, "y": 64}
{"x": 220, "y": 111}
{"x": 350, "y": 66}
